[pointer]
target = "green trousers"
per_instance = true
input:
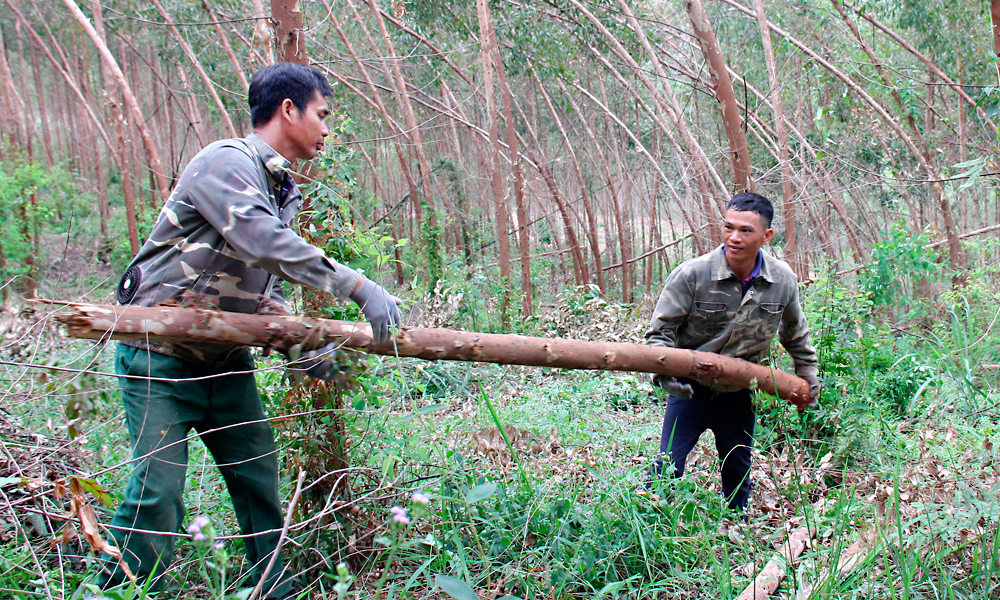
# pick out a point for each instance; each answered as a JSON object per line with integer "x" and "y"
{"x": 225, "y": 409}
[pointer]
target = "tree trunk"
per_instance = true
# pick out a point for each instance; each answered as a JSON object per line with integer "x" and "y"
{"x": 287, "y": 18}
{"x": 995, "y": 19}
{"x": 43, "y": 109}
{"x": 925, "y": 156}
{"x": 197, "y": 64}
{"x": 262, "y": 33}
{"x": 545, "y": 169}
{"x": 791, "y": 245}
{"x": 224, "y": 40}
{"x": 595, "y": 246}
{"x": 17, "y": 134}
{"x": 609, "y": 181}
{"x": 937, "y": 187}
{"x": 174, "y": 324}
{"x": 961, "y": 115}
{"x": 120, "y": 151}
{"x": 381, "y": 192}
{"x": 723, "y": 87}
{"x": 465, "y": 236}
{"x": 414, "y": 134}
{"x": 376, "y": 101}
{"x": 152, "y": 155}
{"x": 17, "y": 130}
{"x": 499, "y": 199}
{"x": 195, "y": 122}
{"x": 704, "y": 172}
{"x": 515, "y": 159}
{"x": 867, "y": 15}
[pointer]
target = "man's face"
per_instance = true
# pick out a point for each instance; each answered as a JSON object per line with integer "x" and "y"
{"x": 744, "y": 234}
{"x": 307, "y": 128}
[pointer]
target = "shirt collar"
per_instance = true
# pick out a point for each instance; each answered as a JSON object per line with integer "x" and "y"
{"x": 721, "y": 269}
{"x": 276, "y": 164}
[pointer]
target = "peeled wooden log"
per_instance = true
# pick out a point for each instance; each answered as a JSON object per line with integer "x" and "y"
{"x": 770, "y": 576}
{"x": 175, "y": 324}
{"x": 849, "y": 559}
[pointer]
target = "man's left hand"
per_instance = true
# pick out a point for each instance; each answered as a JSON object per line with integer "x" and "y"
{"x": 380, "y": 308}
{"x": 814, "y": 387}
{"x": 314, "y": 363}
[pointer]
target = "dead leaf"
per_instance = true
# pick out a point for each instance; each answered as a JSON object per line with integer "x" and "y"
{"x": 92, "y": 533}
{"x": 69, "y": 533}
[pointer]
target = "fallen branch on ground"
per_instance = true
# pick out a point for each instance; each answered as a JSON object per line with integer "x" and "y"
{"x": 770, "y": 577}
{"x": 848, "y": 560}
{"x": 175, "y": 324}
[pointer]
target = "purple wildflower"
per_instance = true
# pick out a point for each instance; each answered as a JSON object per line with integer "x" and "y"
{"x": 399, "y": 515}
{"x": 199, "y": 537}
{"x": 420, "y": 498}
{"x": 198, "y": 524}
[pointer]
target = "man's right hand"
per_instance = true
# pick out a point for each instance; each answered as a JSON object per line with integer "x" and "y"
{"x": 814, "y": 387}
{"x": 675, "y": 388}
{"x": 380, "y": 308}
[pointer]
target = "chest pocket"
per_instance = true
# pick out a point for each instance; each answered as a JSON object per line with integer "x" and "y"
{"x": 768, "y": 317}
{"x": 708, "y": 319}
{"x": 770, "y": 311}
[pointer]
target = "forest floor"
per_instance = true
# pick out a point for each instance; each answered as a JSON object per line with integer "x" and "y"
{"x": 536, "y": 479}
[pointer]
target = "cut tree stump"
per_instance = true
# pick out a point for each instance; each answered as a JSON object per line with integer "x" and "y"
{"x": 176, "y": 324}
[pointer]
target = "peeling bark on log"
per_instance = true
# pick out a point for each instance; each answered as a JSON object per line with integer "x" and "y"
{"x": 174, "y": 324}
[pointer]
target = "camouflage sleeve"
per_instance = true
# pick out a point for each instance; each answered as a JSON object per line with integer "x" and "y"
{"x": 671, "y": 310}
{"x": 277, "y": 298}
{"x": 793, "y": 333}
{"x": 228, "y": 195}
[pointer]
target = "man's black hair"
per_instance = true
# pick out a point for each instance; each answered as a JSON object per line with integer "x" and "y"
{"x": 271, "y": 85}
{"x": 755, "y": 203}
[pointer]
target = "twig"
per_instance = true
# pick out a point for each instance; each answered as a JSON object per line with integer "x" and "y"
{"x": 651, "y": 252}
{"x": 281, "y": 539}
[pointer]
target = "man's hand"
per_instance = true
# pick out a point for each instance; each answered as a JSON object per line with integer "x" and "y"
{"x": 684, "y": 391}
{"x": 380, "y": 307}
{"x": 314, "y": 363}
{"x": 814, "y": 387}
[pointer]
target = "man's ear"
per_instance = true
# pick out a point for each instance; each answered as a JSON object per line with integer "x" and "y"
{"x": 286, "y": 108}
{"x": 768, "y": 235}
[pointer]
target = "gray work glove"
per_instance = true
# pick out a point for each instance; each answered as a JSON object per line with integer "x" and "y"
{"x": 675, "y": 388}
{"x": 380, "y": 307}
{"x": 313, "y": 363}
{"x": 814, "y": 387}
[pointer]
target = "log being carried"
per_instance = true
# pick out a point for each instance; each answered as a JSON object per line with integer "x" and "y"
{"x": 176, "y": 324}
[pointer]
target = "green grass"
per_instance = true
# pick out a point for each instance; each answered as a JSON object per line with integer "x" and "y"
{"x": 900, "y": 456}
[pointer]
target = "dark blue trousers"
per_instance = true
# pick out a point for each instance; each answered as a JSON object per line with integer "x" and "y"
{"x": 731, "y": 417}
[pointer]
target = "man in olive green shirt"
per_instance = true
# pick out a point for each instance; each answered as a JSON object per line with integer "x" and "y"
{"x": 731, "y": 301}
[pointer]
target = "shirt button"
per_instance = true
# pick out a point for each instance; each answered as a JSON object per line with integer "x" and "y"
{"x": 751, "y": 292}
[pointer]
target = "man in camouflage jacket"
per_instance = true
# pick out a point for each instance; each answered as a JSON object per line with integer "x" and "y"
{"x": 731, "y": 301}
{"x": 223, "y": 238}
